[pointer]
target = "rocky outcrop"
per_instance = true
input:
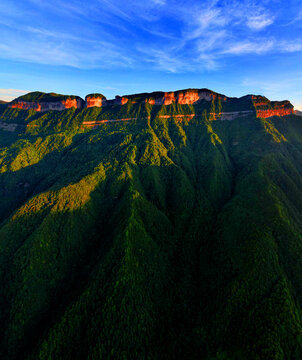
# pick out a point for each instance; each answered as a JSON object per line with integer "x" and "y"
{"x": 119, "y": 100}
{"x": 265, "y": 108}
{"x": 190, "y": 96}
{"x": 25, "y": 105}
{"x": 183, "y": 97}
{"x": 77, "y": 103}
{"x": 274, "y": 112}
{"x": 97, "y": 100}
{"x": 46, "y": 106}
{"x": 45, "y": 102}
{"x": 167, "y": 99}
{"x": 100, "y": 100}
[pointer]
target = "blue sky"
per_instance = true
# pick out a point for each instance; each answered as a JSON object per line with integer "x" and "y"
{"x": 123, "y": 47}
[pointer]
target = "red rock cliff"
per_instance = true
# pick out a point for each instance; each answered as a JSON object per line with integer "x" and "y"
{"x": 97, "y": 100}
{"x": 120, "y": 100}
{"x": 60, "y": 105}
{"x": 24, "y": 105}
{"x": 184, "y": 97}
{"x": 190, "y": 96}
{"x": 265, "y": 108}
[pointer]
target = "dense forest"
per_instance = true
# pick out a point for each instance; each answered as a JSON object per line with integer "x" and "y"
{"x": 150, "y": 239}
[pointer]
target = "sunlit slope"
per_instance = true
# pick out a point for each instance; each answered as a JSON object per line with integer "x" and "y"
{"x": 152, "y": 239}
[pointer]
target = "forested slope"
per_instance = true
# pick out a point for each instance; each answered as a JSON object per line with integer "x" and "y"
{"x": 150, "y": 239}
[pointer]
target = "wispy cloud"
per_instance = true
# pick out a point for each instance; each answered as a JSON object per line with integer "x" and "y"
{"x": 291, "y": 46}
{"x": 295, "y": 19}
{"x": 159, "y": 2}
{"x": 169, "y": 35}
{"x": 10, "y": 94}
{"x": 249, "y": 47}
{"x": 259, "y": 22}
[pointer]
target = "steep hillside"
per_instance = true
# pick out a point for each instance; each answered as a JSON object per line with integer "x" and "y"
{"x": 167, "y": 236}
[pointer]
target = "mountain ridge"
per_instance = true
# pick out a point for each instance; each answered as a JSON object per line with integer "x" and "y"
{"x": 228, "y": 107}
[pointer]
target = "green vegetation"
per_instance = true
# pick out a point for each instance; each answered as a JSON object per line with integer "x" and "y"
{"x": 150, "y": 239}
{"x": 97, "y": 95}
{"x": 37, "y": 96}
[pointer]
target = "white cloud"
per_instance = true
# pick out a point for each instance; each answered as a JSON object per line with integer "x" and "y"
{"x": 248, "y": 47}
{"x": 210, "y": 17}
{"x": 159, "y": 2}
{"x": 162, "y": 59}
{"x": 261, "y": 46}
{"x": 11, "y": 94}
{"x": 291, "y": 47}
{"x": 296, "y": 19}
{"x": 107, "y": 34}
{"x": 259, "y": 22}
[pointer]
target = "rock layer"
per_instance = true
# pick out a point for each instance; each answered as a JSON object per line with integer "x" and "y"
{"x": 265, "y": 108}
{"x": 182, "y": 97}
{"x": 222, "y": 104}
{"x": 46, "y": 102}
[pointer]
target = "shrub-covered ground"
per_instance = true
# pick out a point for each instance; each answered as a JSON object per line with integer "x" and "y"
{"x": 151, "y": 239}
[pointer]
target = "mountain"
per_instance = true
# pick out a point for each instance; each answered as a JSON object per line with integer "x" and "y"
{"x": 40, "y": 101}
{"x": 227, "y": 108}
{"x": 297, "y": 112}
{"x": 151, "y": 228}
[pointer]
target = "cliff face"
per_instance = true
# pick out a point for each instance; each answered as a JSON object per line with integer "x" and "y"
{"x": 230, "y": 107}
{"x": 45, "y": 102}
{"x": 183, "y": 97}
{"x": 46, "y": 106}
{"x": 77, "y": 103}
{"x": 265, "y": 108}
{"x": 97, "y": 100}
{"x": 188, "y": 97}
{"x": 158, "y": 98}
{"x": 25, "y": 105}
{"x": 274, "y": 112}
{"x": 119, "y": 100}
{"x": 100, "y": 100}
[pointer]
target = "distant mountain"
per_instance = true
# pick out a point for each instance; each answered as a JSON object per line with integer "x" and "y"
{"x": 3, "y": 102}
{"x": 299, "y": 113}
{"x": 150, "y": 226}
{"x": 201, "y": 98}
